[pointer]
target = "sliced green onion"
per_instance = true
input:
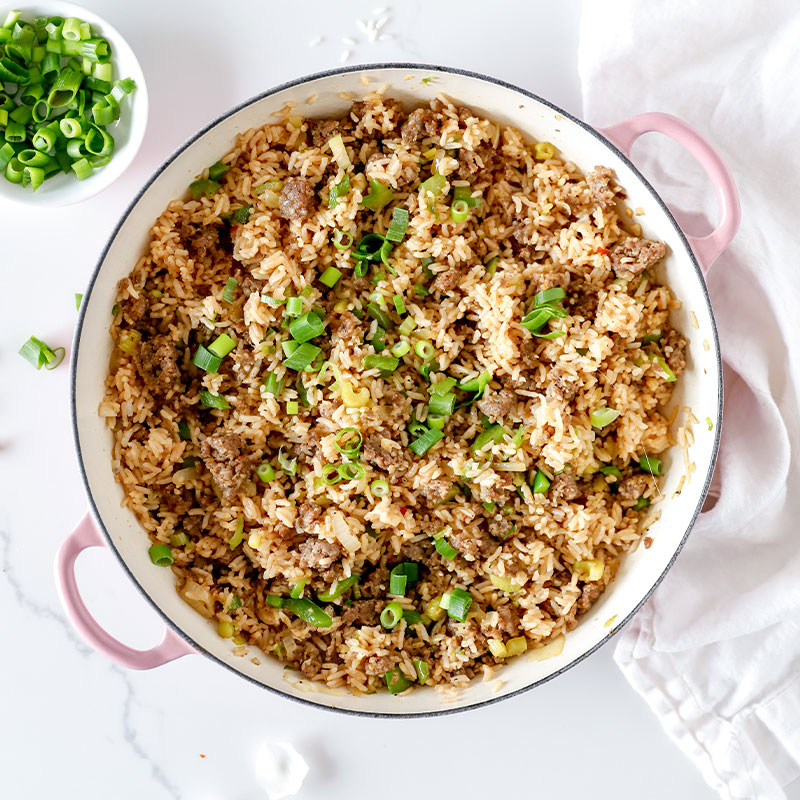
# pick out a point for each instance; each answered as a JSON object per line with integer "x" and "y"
{"x": 442, "y": 404}
{"x": 206, "y": 360}
{"x": 272, "y": 384}
{"x": 421, "y": 445}
{"x": 553, "y": 295}
{"x": 330, "y": 277}
{"x": 494, "y": 434}
{"x": 406, "y": 326}
{"x": 292, "y": 407}
{"x": 444, "y": 548}
{"x": 589, "y": 570}
{"x": 339, "y": 151}
{"x": 179, "y": 539}
{"x": 459, "y": 211}
{"x": 422, "y": 669}
{"x": 274, "y": 600}
{"x": 289, "y": 466}
{"x": 294, "y": 306}
{"x": 289, "y": 346}
{"x": 642, "y": 503}
{"x": 302, "y": 357}
{"x": 651, "y": 337}
{"x": 306, "y": 327}
{"x": 541, "y": 483}
{"x": 459, "y": 604}
{"x": 338, "y": 589}
{"x": 665, "y": 368}
{"x": 397, "y": 584}
{"x": 412, "y": 617}
{"x": 330, "y": 474}
{"x": 234, "y": 602}
{"x": 342, "y": 189}
{"x": 222, "y": 345}
{"x": 379, "y": 488}
{"x": 297, "y": 590}
{"x": 342, "y": 240}
{"x": 601, "y": 417}
{"x": 161, "y": 555}
{"x": 400, "y": 349}
{"x": 420, "y": 290}
{"x": 241, "y": 215}
{"x": 308, "y": 611}
{"x": 425, "y": 350}
{"x": 396, "y": 682}
{"x": 378, "y": 197}
{"x": 377, "y": 313}
{"x": 39, "y": 354}
{"x": 611, "y": 471}
{"x": 64, "y": 88}
{"x": 386, "y": 364}
{"x": 399, "y": 225}
{"x": 651, "y": 465}
{"x": 265, "y": 472}
{"x": 350, "y": 471}
{"x": 464, "y": 194}
{"x": 399, "y": 305}
{"x": 210, "y": 400}
{"x": 435, "y": 185}
{"x": 391, "y": 615}
{"x": 229, "y": 292}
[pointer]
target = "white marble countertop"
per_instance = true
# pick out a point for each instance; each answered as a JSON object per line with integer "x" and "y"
{"x": 74, "y": 725}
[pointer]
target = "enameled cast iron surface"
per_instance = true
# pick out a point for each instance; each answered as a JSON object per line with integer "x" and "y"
{"x": 699, "y": 388}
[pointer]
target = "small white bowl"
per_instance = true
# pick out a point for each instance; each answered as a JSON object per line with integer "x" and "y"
{"x": 65, "y": 189}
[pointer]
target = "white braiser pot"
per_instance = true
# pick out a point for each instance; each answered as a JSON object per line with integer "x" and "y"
{"x": 699, "y": 388}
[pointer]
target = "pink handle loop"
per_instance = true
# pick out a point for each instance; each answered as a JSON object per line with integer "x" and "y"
{"x": 706, "y": 248}
{"x": 87, "y": 535}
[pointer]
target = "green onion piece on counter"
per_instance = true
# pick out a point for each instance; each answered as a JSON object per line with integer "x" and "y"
{"x": 203, "y": 188}
{"x": 379, "y": 488}
{"x": 435, "y": 185}
{"x": 459, "y": 604}
{"x": 378, "y": 197}
{"x": 238, "y": 533}
{"x": 642, "y": 503}
{"x": 611, "y": 471}
{"x": 601, "y": 417}
{"x": 399, "y": 225}
{"x": 464, "y": 194}
{"x": 709, "y": 423}
{"x": 308, "y": 611}
{"x": 206, "y": 360}
{"x": 330, "y": 277}
{"x": 406, "y": 326}
{"x": 184, "y": 434}
{"x": 306, "y": 327}
{"x": 541, "y": 483}
{"x": 422, "y": 668}
{"x": 342, "y": 240}
{"x": 39, "y": 354}
{"x": 217, "y": 171}
{"x": 338, "y": 589}
{"x": 222, "y": 345}
{"x": 297, "y": 590}
{"x": 443, "y": 547}
{"x": 391, "y": 615}
{"x": 396, "y": 682}
{"x": 425, "y": 350}
{"x": 78, "y": 300}
{"x": 386, "y": 364}
{"x": 179, "y": 539}
{"x": 272, "y": 384}
{"x": 161, "y": 555}
{"x": 341, "y": 189}
{"x": 210, "y": 400}
{"x": 302, "y": 357}
{"x": 428, "y": 439}
{"x": 494, "y": 434}
{"x": 265, "y": 472}
{"x": 294, "y": 306}
{"x": 459, "y": 211}
{"x": 651, "y": 465}
{"x": 351, "y": 472}
{"x": 292, "y": 407}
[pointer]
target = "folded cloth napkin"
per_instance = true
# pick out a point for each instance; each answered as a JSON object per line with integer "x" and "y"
{"x": 716, "y": 651}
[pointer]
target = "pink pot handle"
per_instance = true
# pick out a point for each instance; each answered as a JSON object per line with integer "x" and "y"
{"x": 706, "y": 248}
{"x": 86, "y": 535}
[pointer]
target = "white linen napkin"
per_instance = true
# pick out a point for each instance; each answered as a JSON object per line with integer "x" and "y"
{"x": 716, "y": 651}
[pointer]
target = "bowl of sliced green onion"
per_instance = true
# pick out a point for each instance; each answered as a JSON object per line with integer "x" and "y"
{"x": 73, "y": 104}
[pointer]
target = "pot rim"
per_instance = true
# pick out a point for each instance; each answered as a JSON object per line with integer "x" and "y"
{"x": 397, "y": 65}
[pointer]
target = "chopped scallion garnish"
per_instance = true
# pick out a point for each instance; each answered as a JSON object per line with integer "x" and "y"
{"x": 229, "y": 292}
{"x": 399, "y": 225}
